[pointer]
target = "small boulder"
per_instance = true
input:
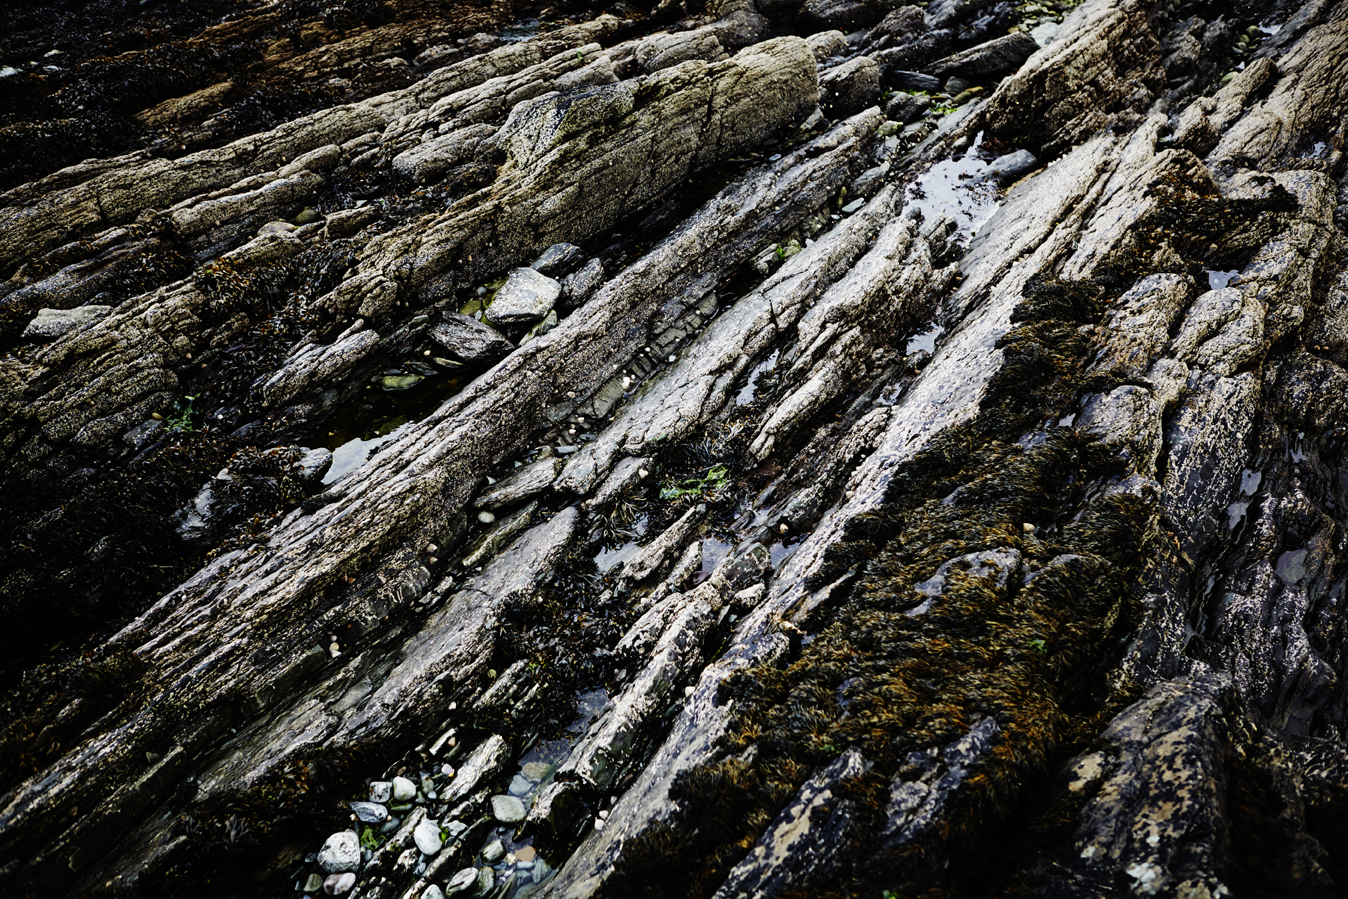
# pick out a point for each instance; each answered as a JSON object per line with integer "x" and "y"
{"x": 1008, "y": 168}
{"x": 579, "y": 287}
{"x": 1000, "y": 56}
{"x": 849, "y": 88}
{"x": 339, "y": 884}
{"x": 559, "y": 260}
{"x": 526, "y": 297}
{"x": 467, "y": 340}
{"x": 906, "y": 108}
{"x": 462, "y": 881}
{"x": 340, "y": 853}
{"x": 903, "y": 80}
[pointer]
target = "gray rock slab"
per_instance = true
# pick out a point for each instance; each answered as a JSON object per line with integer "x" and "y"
{"x": 50, "y": 324}
{"x": 523, "y": 483}
{"x": 467, "y": 340}
{"x": 526, "y": 297}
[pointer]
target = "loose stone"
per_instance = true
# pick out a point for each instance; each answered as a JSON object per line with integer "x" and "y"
{"x": 507, "y": 809}
{"x": 370, "y": 812}
{"x": 340, "y": 853}
{"x": 427, "y": 837}
{"x": 494, "y": 852}
{"x": 526, "y": 297}
{"x": 313, "y": 884}
{"x": 337, "y": 884}
{"x": 432, "y": 892}
{"x": 461, "y": 881}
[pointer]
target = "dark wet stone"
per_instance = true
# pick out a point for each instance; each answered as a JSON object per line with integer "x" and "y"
{"x": 468, "y": 340}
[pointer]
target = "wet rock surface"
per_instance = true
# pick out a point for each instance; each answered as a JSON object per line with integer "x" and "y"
{"x": 776, "y": 449}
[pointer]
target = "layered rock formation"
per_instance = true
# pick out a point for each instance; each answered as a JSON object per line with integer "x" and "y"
{"x": 733, "y": 450}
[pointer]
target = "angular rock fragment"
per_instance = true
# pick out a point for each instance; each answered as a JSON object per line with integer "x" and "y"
{"x": 526, "y": 297}
{"x": 468, "y": 340}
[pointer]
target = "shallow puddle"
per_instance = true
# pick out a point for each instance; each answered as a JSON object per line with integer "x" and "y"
{"x": 958, "y": 189}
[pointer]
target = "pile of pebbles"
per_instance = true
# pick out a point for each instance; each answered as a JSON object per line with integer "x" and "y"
{"x": 439, "y": 832}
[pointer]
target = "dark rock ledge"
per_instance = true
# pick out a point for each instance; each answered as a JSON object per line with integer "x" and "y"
{"x": 724, "y": 450}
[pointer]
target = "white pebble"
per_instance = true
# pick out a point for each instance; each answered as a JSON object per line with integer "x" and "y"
{"x": 641, "y": 472}
{"x": 404, "y": 790}
{"x": 486, "y": 517}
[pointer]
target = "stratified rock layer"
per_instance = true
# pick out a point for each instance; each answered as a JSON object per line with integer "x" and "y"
{"x": 922, "y": 537}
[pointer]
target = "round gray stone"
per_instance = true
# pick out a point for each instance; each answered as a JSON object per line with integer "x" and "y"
{"x": 427, "y": 837}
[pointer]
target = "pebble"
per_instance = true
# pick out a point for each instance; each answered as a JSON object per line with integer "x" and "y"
{"x": 404, "y": 790}
{"x": 486, "y": 517}
{"x": 494, "y": 852}
{"x": 1027, "y": 528}
{"x": 461, "y": 881}
{"x": 486, "y": 881}
{"x": 535, "y": 771}
{"x": 340, "y": 853}
{"x": 313, "y": 884}
{"x": 519, "y": 785}
{"x": 507, "y": 809}
{"x": 432, "y": 892}
{"x": 370, "y": 812}
{"x": 427, "y": 837}
{"x": 447, "y": 770}
{"x": 391, "y": 825}
{"x": 525, "y": 853}
{"x": 338, "y": 884}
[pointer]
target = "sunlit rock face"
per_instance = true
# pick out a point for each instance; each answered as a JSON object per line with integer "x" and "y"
{"x": 747, "y": 449}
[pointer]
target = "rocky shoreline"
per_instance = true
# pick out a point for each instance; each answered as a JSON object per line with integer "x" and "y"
{"x": 743, "y": 449}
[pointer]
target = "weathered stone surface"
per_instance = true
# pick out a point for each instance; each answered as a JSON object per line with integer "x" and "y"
{"x": 468, "y": 340}
{"x": 1105, "y": 52}
{"x": 849, "y": 88}
{"x": 851, "y": 604}
{"x": 53, "y": 323}
{"x": 997, "y": 57}
{"x": 526, "y": 297}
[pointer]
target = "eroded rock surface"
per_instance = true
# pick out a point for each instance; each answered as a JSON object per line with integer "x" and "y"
{"x": 604, "y": 454}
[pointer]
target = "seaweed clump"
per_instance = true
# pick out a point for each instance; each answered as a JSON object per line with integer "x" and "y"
{"x": 993, "y": 588}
